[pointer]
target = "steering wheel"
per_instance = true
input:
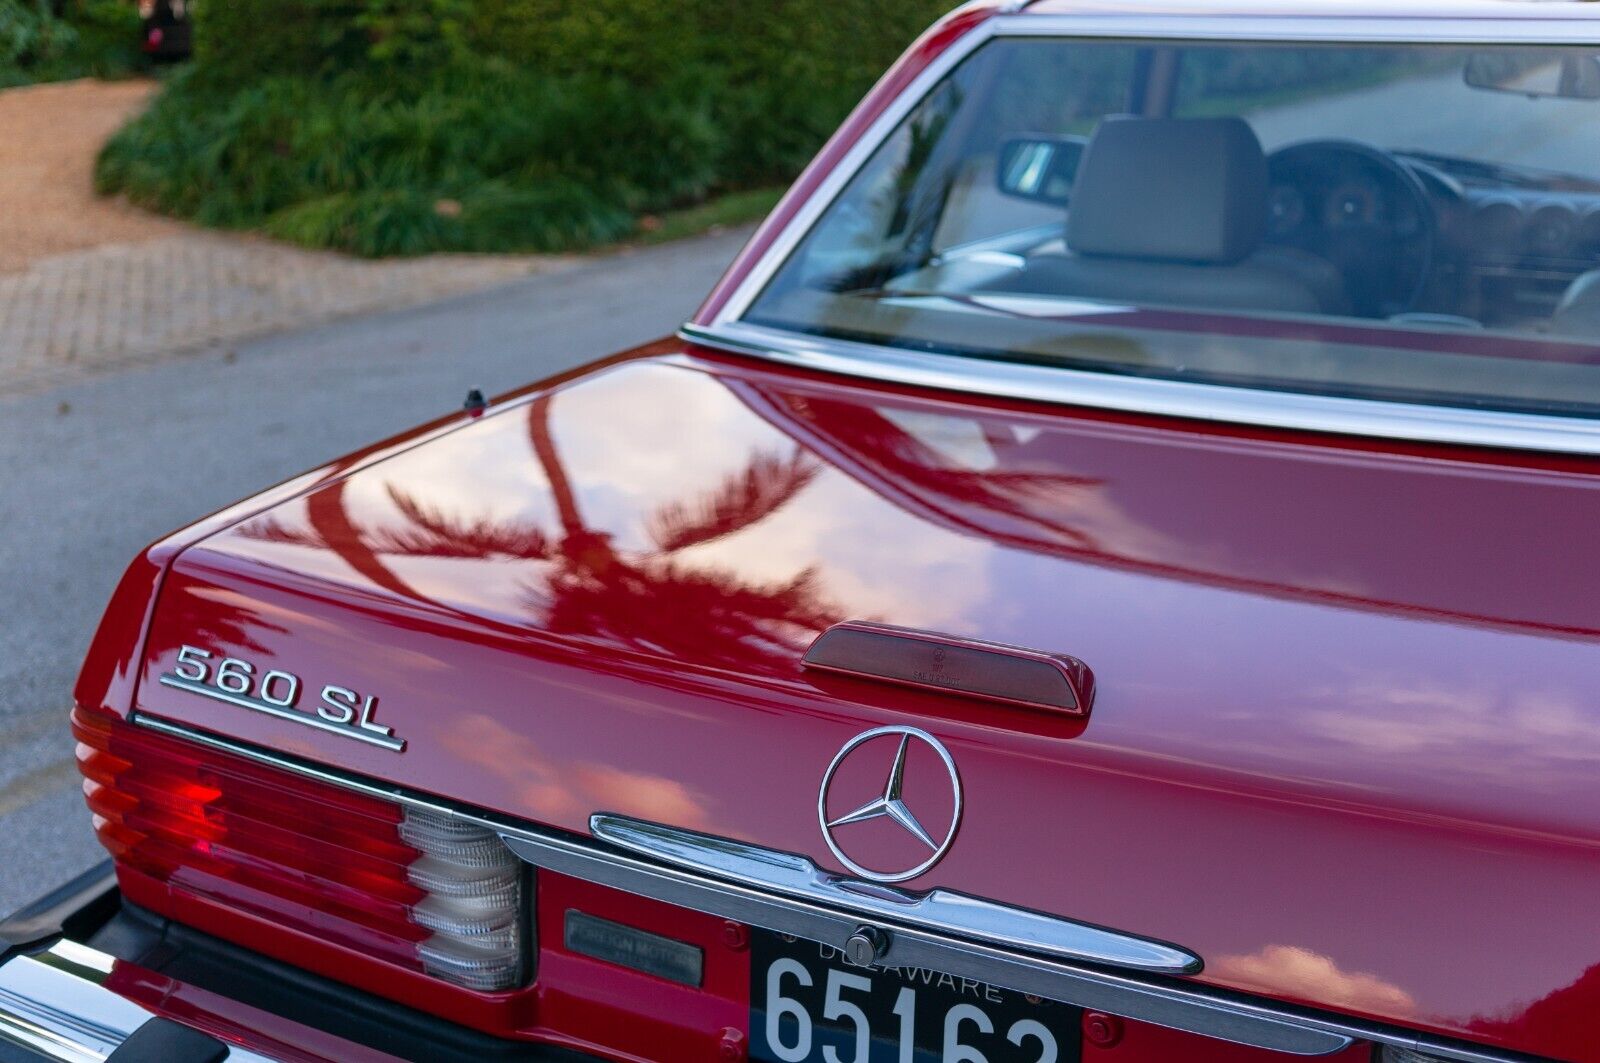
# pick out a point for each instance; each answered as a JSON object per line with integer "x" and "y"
{"x": 1362, "y": 209}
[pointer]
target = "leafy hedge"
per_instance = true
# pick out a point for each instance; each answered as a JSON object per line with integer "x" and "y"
{"x": 85, "y": 38}
{"x": 402, "y": 126}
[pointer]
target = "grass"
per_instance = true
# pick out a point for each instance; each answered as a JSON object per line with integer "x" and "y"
{"x": 487, "y": 159}
{"x": 722, "y": 212}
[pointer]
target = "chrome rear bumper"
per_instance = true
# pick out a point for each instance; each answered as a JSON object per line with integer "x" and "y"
{"x": 55, "y": 1004}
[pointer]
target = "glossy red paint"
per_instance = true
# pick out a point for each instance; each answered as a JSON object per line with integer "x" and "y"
{"x": 1342, "y": 746}
{"x": 237, "y": 1024}
{"x": 1142, "y": 1043}
{"x": 599, "y": 1006}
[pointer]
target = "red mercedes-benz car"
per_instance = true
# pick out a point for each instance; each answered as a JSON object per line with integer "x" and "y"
{"x": 1110, "y": 575}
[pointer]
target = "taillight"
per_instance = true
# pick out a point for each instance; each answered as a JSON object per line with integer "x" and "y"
{"x": 418, "y": 889}
{"x": 473, "y": 902}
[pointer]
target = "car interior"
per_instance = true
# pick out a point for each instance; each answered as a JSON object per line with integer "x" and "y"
{"x": 1142, "y": 231}
{"x": 1157, "y": 209}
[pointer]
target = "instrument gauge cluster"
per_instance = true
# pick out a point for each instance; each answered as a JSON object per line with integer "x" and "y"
{"x": 1286, "y": 210}
{"x": 1552, "y": 230}
{"x": 1545, "y": 227}
{"x": 1353, "y": 203}
{"x": 1589, "y": 231}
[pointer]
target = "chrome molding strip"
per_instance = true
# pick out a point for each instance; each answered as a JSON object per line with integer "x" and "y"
{"x": 383, "y": 741}
{"x": 911, "y": 946}
{"x": 1182, "y": 1006}
{"x": 1273, "y": 409}
{"x": 1169, "y": 398}
{"x": 942, "y": 911}
{"x": 54, "y": 1003}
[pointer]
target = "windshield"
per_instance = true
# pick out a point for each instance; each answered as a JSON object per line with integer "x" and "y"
{"x": 1417, "y": 224}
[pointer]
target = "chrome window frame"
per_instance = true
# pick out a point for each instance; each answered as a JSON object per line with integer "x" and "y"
{"x": 1202, "y": 401}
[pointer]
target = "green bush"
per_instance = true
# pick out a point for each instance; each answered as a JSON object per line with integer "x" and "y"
{"x": 30, "y": 37}
{"x": 97, "y": 38}
{"x": 108, "y": 39}
{"x": 776, "y": 76}
{"x": 533, "y": 163}
{"x": 400, "y": 126}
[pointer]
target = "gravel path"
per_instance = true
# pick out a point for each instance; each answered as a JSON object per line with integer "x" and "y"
{"x": 49, "y": 136}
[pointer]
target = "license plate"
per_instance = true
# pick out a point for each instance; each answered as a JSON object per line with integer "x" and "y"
{"x": 807, "y": 1003}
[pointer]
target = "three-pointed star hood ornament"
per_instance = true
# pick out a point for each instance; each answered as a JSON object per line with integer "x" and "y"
{"x": 891, "y": 804}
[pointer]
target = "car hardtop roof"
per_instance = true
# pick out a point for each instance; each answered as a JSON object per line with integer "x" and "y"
{"x": 1279, "y": 10}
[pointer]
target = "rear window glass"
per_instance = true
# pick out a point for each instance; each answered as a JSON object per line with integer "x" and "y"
{"x": 1418, "y": 224}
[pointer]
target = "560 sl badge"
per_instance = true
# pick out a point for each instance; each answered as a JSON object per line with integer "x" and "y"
{"x": 340, "y": 710}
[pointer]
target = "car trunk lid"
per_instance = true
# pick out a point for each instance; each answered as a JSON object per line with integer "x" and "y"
{"x": 1342, "y": 743}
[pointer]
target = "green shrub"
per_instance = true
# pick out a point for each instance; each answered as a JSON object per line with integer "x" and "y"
{"x": 783, "y": 73}
{"x": 322, "y": 163}
{"x": 243, "y": 40}
{"x": 108, "y": 39}
{"x": 97, "y": 38}
{"x": 30, "y": 37}
{"x": 536, "y": 124}
{"x": 556, "y": 216}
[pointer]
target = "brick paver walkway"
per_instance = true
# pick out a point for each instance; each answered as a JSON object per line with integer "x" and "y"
{"x": 88, "y": 284}
{"x": 75, "y": 313}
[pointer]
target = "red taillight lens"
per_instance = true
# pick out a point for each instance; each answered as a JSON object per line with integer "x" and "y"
{"x": 419, "y": 889}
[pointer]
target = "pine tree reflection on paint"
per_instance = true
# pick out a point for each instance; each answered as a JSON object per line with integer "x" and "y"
{"x": 652, "y": 600}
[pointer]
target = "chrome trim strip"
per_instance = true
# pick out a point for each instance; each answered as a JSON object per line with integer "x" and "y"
{"x": 911, "y": 946}
{"x": 1434, "y": 424}
{"x": 1177, "y": 1005}
{"x": 331, "y": 776}
{"x": 1168, "y": 24}
{"x": 1168, "y": 398}
{"x": 54, "y": 1003}
{"x": 396, "y": 745}
{"x": 941, "y": 911}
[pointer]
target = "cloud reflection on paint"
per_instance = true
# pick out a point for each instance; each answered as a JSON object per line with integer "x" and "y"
{"x": 1287, "y": 970}
{"x": 561, "y": 792}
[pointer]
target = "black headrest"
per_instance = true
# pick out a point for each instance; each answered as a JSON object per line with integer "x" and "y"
{"x": 1172, "y": 189}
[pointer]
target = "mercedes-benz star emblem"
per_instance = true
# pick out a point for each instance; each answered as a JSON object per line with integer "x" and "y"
{"x": 890, "y": 804}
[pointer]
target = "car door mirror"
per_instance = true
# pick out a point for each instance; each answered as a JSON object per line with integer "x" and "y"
{"x": 1559, "y": 73}
{"x": 1041, "y": 168}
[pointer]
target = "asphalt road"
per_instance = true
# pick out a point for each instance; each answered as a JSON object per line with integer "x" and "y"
{"x": 91, "y": 472}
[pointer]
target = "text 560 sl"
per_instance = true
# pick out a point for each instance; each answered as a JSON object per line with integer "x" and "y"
{"x": 338, "y": 710}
